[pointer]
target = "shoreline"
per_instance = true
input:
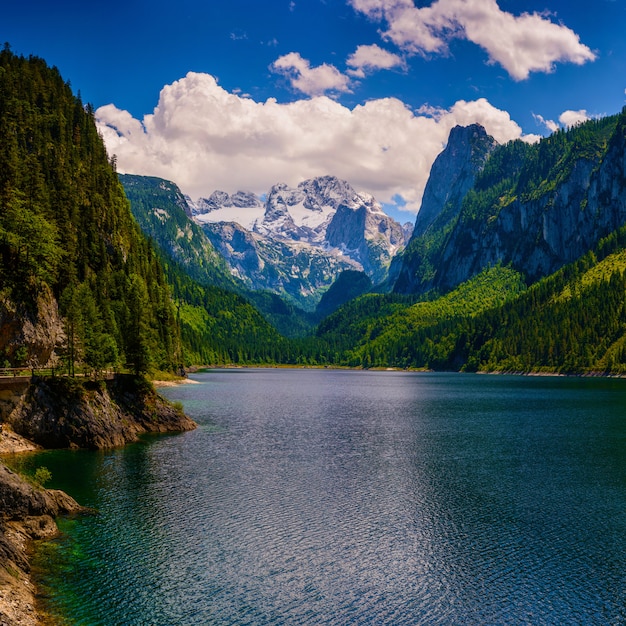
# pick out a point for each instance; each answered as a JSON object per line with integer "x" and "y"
{"x": 174, "y": 383}
{"x": 32, "y": 519}
{"x": 408, "y": 370}
{"x": 17, "y": 591}
{"x": 98, "y": 418}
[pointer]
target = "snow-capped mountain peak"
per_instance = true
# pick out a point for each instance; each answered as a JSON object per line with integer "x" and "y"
{"x": 322, "y": 217}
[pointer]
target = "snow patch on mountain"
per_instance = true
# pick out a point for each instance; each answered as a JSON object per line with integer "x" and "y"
{"x": 322, "y": 219}
{"x": 243, "y": 207}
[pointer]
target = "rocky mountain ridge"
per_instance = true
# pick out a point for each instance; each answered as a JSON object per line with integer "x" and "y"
{"x": 534, "y": 207}
{"x": 452, "y": 175}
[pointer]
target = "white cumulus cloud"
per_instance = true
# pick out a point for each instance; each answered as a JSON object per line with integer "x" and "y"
{"x": 521, "y": 44}
{"x": 572, "y": 118}
{"x": 204, "y": 138}
{"x": 366, "y": 59}
{"x": 312, "y": 81}
{"x": 551, "y": 125}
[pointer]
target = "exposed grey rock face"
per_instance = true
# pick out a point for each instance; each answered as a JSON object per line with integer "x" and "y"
{"x": 38, "y": 329}
{"x": 539, "y": 236}
{"x": 59, "y": 413}
{"x": 326, "y": 191}
{"x": 452, "y": 175}
{"x": 300, "y": 272}
{"x": 26, "y": 513}
{"x": 367, "y": 235}
{"x": 277, "y": 220}
{"x": 219, "y": 199}
{"x": 236, "y": 244}
{"x": 20, "y": 499}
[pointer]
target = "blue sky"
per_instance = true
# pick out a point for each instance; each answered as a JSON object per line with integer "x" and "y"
{"x": 242, "y": 94}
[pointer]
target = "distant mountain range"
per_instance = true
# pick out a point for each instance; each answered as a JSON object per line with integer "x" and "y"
{"x": 295, "y": 242}
{"x": 534, "y": 207}
{"x": 517, "y": 261}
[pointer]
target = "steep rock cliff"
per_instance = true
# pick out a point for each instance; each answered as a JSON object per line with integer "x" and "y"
{"x": 63, "y": 413}
{"x": 539, "y": 227}
{"x": 30, "y": 330}
{"x": 452, "y": 175}
{"x": 367, "y": 235}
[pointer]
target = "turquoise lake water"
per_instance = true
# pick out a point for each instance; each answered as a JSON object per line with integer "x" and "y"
{"x": 353, "y": 497}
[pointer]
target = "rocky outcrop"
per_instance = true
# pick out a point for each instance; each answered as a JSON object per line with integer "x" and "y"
{"x": 535, "y": 208}
{"x": 584, "y": 201}
{"x": 63, "y": 413}
{"x": 367, "y": 235}
{"x": 27, "y": 513}
{"x": 452, "y": 175}
{"x": 277, "y": 220}
{"x": 12, "y": 391}
{"x": 30, "y": 331}
{"x": 20, "y": 501}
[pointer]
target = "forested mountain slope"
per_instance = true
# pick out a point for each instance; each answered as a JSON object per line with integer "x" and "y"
{"x": 77, "y": 277}
{"x": 536, "y": 207}
{"x": 164, "y": 216}
{"x": 79, "y": 282}
{"x": 162, "y": 212}
{"x": 573, "y": 322}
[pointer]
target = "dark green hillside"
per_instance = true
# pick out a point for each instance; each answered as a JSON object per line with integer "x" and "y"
{"x": 382, "y": 330}
{"x": 349, "y": 284}
{"x": 67, "y": 235}
{"x": 80, "y": 283}
{"x": 572, "y": 322}
{"x": 75, "y": 264}
{"x": 219, "y": 326}
{"x": 161, "y": 211}
{"x": 528, "y": 172}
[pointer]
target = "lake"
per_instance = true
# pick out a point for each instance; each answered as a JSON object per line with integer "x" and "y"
{"x": 353, "y": 497}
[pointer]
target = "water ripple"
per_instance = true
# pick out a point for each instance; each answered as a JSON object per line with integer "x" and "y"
{"x": 358, "y": 498}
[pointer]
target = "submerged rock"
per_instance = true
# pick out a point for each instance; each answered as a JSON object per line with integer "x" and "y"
{"x": 26, "y": 513}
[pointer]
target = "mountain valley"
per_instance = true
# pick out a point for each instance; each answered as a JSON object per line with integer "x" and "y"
{"x": 297, "y": 241}
{"x": 313, "y": 274}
